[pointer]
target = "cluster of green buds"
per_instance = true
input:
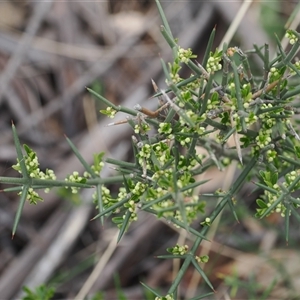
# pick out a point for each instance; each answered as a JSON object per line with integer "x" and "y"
{"x": 181, "y": 56}
{"x": 214, "y": 61}
{"x": 76, "y": 178}
{"x": 291, "y": 36}
{"x": 274, "y": 191}
{"x": 32, "y": 196}
{"x": 165, "y": 128}
{"x": 167, "y": 297}
{"x": 144, "y": 155}
{"x": 105, "y": 196}
{"x": 132, "y": 208}
{"x": 142, "y": 128}
{"x": 206, "y": 222}
{"x": 178, "y": 250}
{"x": 274, "y": 74}
{"x": 33, "y": 170}
{"x": 132, "y": 194}
{"x": 97, "y": 165}
{"x": 193, "y": 208}
{"x": 268, "y": 199}
{"x": 174, "y": 72}
{"x": 202, "y": 259}
{"x": 297, "y": 64}
{"x": 32, "y": 166}
{"x": 185, "y": 55}
{"x": 109, "y": 111}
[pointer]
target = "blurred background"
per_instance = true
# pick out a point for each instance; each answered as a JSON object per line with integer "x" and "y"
{"x": 49, "y": 53}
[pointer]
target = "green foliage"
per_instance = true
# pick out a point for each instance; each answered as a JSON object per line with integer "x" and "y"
{"x": 40, "y": 293}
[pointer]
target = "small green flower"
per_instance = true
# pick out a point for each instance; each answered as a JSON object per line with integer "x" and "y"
{"x": 178, "y": 250}
{"x": 202, "y": 259}
{"x": 98, "y": 163}
{"x": 132, "y": 208}
{"x": 32, "y": 167}
{"x": 291, "y": 36}
{"x": 174, "y": 72}
{"x": 185, "y": 55}
{"x": 139, "y": 188}
{"x": 251, "y": 118}
{"x": 264, "y": 138}
{"x": 167, "y": 297}
{"x": 141, "y": 128}
{"x": 74, "y": 177}
{"x": 297, "y": 66}
{"x": 109, "y": 111}
{"x": 213, "y": 62}
{"x": 175, "y": 78}
{"x": 271, "y": 155}
{"x": 32, "y": 196}
{"x": 165, "y": 128}
{"x": 145, "y": 151}
{"x": 206, "y": 222}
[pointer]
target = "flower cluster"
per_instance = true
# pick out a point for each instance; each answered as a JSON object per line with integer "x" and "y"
{"x": 186, "y": 164}
{"x": 107, "y": 199}
{"x": 97, "y": 165}
{"x": 32, "y": 196}
{"x": 291, "y": 36}
{"x": 162, "y": 152}
{"x": 132, "y": 208}
{"x": 167, "y": 297}
{"x": 213, "y": 62}
{"x": 206, "y": 222}
{"x": 141, "y": 128}
{"x": 132, "y": 193}
{"x": 178, "y": 250}
{"x": 185, "y": 55}
{"x": 294, "y": 67}
{"x": 289, "y": 178}
{"x": 264, "y": 138}
{"x": 32, "y": 167}
{"x": 138, "y": 189}
{"x": 109, "y": 111}
{"x": 251, "y": 119}
{"x": 269, "y": 199}
{"x": 213, "y": 102}
{"x": 174, "y": 71}
{"x": 144, "y": 156}
{"x": 75, "y": 177}
{"x": 192, "y": 209}
{"x": 202, "y": 259}
{"x": 165, "y": 128}
{"x": 184, "y": 136}
{"x": 274, "y": 74}
{"x": 297, "y": 64}
{"x": 271, "y": 155}
{"x": 275, "y": 190}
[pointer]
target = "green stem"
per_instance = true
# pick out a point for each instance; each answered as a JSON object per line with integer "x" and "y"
{"x": 213, "y": 216}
